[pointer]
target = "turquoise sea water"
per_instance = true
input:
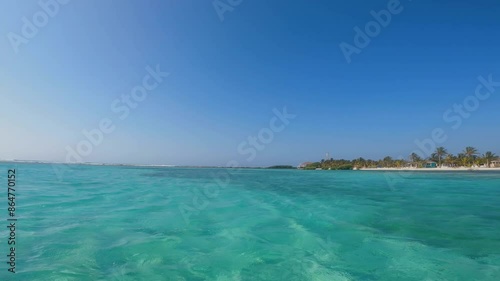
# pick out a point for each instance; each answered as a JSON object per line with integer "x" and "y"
{"x": 132, "y": 223}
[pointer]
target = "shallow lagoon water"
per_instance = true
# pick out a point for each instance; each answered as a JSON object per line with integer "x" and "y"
{"x": 137, "y": 223}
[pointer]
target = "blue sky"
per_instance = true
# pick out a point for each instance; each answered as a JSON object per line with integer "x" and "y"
{"x": 226, "y": 77}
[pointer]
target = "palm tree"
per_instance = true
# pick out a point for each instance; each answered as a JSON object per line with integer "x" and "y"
{"x": 450, "y": 160}
{"x": 388, "y": 162}
{"x": 414, "y": 158}
{"x": 470, "y": 153}
{"x": 488, "y": 157}
{"x": 463, "y": 160}
{"x": 360, "y": 162}
{"x": 440, "y": 152}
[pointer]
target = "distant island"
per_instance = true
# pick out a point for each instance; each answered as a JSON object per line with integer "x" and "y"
{"x": 469, "y": 158}
{"x": 285, "y": 167}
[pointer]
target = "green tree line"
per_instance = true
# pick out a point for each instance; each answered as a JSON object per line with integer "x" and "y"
{"x": 469, "y": 157}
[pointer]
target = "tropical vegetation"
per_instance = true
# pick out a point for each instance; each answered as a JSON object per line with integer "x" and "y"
{"x": 469, "y": 157}
{"x": 284, "y": 167}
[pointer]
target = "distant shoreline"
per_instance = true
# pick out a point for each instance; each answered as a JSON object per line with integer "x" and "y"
{"x": 133, "y": 165}
{"x": 405, "y": 169}
{"x": 85, "y": 163}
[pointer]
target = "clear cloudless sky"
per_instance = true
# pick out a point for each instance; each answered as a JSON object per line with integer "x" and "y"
{"x": 227, "y": 76}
